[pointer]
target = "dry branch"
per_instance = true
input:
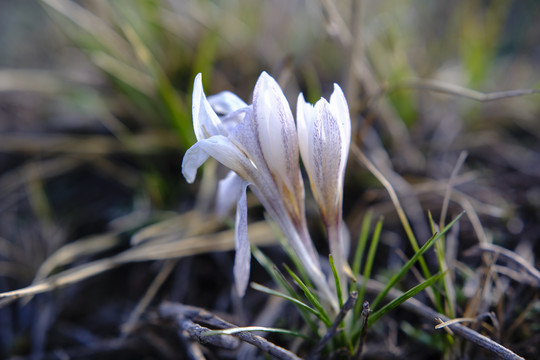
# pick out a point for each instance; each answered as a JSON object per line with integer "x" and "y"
{"x": 198, "y": 315}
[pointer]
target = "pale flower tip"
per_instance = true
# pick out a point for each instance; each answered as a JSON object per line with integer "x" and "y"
{"x": 197, "y": 86}
{"x": 193, "y": 159}
{"x": 339, "y": 100}
{"x": 337, "y": 90}
{"x": 188, "y": 173}
{"x": 301, "y": 100}
{"x": 266, "y": 81}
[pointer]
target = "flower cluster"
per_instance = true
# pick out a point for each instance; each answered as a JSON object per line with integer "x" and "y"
{"x": 260, "y": 144}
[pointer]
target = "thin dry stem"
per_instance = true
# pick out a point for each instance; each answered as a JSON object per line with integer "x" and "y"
{"x": 517, "y": 259}
{"x": 199, "y": 315}
{"x": 332, "y": 331}
{"x": 456, "y": 90}
{"x": 260, "y": 234}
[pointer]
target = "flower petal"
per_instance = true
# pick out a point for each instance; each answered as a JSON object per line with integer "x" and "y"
{"x": 242, "y": 256}
{"x": 206, "y": 123}
{"x": 345, "y": 239}
{"x": 220, "y": 148}
{"x": 225, "y": 198}
{"x": 340, "y": 109}
{"x": 225, "y": 103}
{"x": 276, "y": 130}
{"x": 305, "y": 116}
{"x": 326, "y": 150}
{"x": 193, "y": 159}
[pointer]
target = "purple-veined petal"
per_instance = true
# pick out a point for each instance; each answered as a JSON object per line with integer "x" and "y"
{"x": 276, "y": 130}
{"x": 340, "y": 109}
{"x": 242, "y": 256}
{"x": 227, "y": 188}
{"x": 206, "y": 123}
{"x": 325, "y": 153}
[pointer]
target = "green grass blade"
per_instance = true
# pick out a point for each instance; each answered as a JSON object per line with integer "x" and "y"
{"x": 279, "y": 279}
{"x": 337, "y": 281}
{"x": 362, "y": 241}
{"x": 443, "y": 266}
{"x": 311, "y": 297}
{"x": 368, "y": 266}
{"x": 404, "y": 297}
{"x": 272, "y": 270}
{"x": 273, "y": 292}
{"x": 411, "y": 262}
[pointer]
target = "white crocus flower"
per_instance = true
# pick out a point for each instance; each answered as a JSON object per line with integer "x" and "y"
{"x": 324, "y": 135}
{"x": 259, "y": 144}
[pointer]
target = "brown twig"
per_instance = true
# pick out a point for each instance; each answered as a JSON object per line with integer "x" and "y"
{"x": 333, "y": 330}
{"x": 512, "y": 256}
{"x": 365, "y": 314}
{"x": 198, "y": 315}
{"x": 198, "y": 332}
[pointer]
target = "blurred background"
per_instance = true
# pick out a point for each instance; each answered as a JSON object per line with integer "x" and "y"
{"x": 95, "y": 115}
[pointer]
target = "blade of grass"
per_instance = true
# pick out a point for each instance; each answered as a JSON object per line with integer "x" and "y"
{"x": 407, "y": 295}
{"x": 337, "y": 281}
{"x": 273, "y": 292}
{"x": 409, "y": 263}
{"x": 311, "y": 297}
{"x": 279, "y": 279}
{"x": 272, "y": 270}
{"x": 368, "y": 266}
{"x": 441, "y": 258}
{"x": 362, "y": 241}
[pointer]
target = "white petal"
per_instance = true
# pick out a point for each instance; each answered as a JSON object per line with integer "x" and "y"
{"x": 244, "y": 136}
{"x": 276, "y": 130}
{"x": 227, "y": 187}
{"x": 326, "y": 154}
{"x": 231, "y": 120}
{"x": 206, "y": 123}
{"x": 193, "y": 159}
{"x": 220, "y": 148}
{"x": 226, "y": 102}
{"x": 242, "y": 256}
{"x": 305, "y": 116}
{"x": 340, "y": 109}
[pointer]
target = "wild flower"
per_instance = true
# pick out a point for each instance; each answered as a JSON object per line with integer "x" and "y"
{"x": 260, "y": 144}
{"x": 324, "y": 136}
